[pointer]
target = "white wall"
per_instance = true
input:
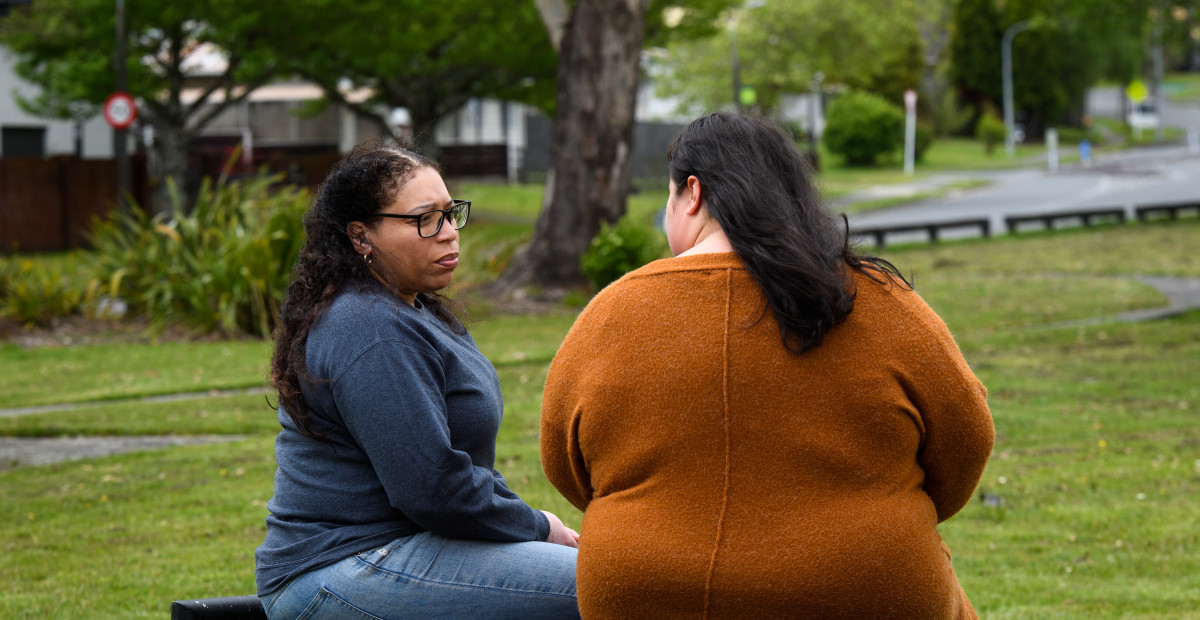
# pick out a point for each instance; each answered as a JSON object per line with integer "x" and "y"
{"x": 60, "y": 135}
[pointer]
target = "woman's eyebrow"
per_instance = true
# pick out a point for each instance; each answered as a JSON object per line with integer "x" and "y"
{"x": 423, "y": 207}
{"x": 430, "y": 205}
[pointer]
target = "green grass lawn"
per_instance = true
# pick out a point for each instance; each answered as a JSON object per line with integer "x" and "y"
{"x": 1097, "y": 459}
{"x": 1182, "y": 87}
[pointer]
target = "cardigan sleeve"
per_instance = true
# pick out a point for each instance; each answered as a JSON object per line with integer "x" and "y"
{"x": 563, "y": 404}
{"x": 952, "y": 405}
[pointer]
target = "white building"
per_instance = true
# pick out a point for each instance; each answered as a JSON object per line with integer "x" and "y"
{"x": 25, "y": 135}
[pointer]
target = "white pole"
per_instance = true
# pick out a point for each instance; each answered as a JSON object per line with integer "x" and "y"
{"x": 910, "y": 130}
{"x": 1052, "y": 148}
{"x": 1006, "y": 77}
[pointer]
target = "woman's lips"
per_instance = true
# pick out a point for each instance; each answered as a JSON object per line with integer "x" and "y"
{"x": 449, "y": 261}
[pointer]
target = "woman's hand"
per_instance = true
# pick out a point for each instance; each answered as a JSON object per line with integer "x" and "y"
{"x": 559, "y": 533}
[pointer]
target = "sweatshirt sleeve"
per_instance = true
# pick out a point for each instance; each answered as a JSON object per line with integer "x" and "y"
{"x": 563, "y": 403}
{"x": 391, "y": 400}
{"x": 958, "y": 433}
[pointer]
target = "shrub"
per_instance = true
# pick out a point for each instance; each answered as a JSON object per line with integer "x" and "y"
{"x": 619, "y": 249}
{"x": 224, "y": 267}
{"x": 1075, "y": 135}
{"x": 990, "y": 130}
{"x": 862, "y": 127}
{"x": 36, "y": 292}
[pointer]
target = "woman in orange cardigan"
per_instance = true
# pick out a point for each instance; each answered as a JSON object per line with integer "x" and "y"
{"x": 768, "y": 424}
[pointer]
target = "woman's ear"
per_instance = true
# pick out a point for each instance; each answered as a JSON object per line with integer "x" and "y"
{"x": 696, "y": 200}
{"x": 357, "y": 232}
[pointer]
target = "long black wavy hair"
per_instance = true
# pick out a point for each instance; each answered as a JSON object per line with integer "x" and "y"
{"x": 758, "y": 187}
{"x": 364, "y": 182}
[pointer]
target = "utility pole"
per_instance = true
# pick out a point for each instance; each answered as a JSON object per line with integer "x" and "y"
{"x": 735, "y": 61}
{"x": 1006, "y": 72}
{"x": 1157, "y": 82}
{"x": 119, "y": 140}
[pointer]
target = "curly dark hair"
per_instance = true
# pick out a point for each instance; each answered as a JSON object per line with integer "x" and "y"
{"x": 758, "y": 187}
{"x": 363, "y": 183}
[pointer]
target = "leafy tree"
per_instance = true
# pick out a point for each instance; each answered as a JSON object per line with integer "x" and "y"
{"x": 428, "y": 57}
{"x": 871, "y": 45}
{"x": 975, "y": 51}
{"x": 1071, "y": 44}
{"x": 67, "y": 48}
{"x": 598, "y": 72}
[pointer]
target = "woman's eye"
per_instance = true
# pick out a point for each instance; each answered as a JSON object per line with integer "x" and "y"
{"x": 429, "y": 219}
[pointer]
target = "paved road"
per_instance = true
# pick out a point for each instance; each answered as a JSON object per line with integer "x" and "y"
{"x": 1106, "y": 103}
{"x": 1148, "y": 175}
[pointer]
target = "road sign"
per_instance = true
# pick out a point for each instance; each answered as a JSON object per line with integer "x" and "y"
{"x": 1136, "y": 91}
{"x": 910, "y": 131}
{"x": 120, "y": 110}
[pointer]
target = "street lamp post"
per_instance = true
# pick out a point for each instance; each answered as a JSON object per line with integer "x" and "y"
{"x": 1006, "y": 71}
{"x": 120, "y": 142}
{"x": 733, "y": 49}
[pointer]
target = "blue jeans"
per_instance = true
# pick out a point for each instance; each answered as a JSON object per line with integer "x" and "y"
{"x": 428, "y": 576}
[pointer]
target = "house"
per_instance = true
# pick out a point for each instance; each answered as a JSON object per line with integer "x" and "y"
{"x": 25, "y": 135}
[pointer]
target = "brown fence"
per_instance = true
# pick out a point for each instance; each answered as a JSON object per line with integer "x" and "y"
{"x": 48, "y": 204}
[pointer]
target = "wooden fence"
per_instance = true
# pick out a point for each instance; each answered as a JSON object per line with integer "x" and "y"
{"x": 48, "y": 204}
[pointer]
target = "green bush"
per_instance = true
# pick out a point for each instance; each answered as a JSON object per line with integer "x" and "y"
{"x": 990, "y": 130}
{"x": 1075, "y": 135}
{"x": 37, "y": 292}
{"x": 619, "y": 249}
{"x": 862, "y": 127}
{"x": 224, "y": 267}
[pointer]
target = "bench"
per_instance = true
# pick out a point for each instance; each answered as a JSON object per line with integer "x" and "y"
{"x": 1088, "y": 216}
{"x": 1171, "y": 210}
{"x": 879, "y": 233}
{"x": 226, "y": 608}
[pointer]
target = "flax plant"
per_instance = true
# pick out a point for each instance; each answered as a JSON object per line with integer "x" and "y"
{"x": 221, "y": 267}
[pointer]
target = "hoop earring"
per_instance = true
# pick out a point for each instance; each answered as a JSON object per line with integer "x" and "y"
{"x": 367, "y": 258}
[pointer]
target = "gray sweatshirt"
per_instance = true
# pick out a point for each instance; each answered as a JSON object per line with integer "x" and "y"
{"x": 409, "y": 412}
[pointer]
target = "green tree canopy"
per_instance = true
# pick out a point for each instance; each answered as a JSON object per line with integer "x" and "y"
{"x": 871, "y": 45}
{"x": 428, "y": 57}
{"x": 68, "y": 49}
{"x": 1070, "y": 45}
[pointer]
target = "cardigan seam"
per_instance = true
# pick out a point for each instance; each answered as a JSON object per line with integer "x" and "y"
{"x": 712, "y": 564}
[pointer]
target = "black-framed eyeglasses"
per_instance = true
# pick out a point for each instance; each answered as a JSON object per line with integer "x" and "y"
{"x": 429, "y": 223}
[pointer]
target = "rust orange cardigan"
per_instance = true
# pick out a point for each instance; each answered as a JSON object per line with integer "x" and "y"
{"x": 723, "y": 477}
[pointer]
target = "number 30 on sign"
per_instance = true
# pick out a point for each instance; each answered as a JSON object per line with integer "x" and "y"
{"x": 120, "y": 110}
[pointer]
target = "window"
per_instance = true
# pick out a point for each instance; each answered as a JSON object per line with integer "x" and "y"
{"x": 23, "y": 142}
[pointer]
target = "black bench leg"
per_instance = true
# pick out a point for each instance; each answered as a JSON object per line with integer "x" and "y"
{"x": 226, "y": 608}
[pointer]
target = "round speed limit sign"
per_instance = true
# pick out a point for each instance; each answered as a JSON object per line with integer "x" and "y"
{"x": 120, "y": 110}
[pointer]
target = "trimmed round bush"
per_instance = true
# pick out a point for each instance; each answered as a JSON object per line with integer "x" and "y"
{"x": 990, "y": 130}
{"x": 862, "y": 127}
{"x": 620, "y": 249}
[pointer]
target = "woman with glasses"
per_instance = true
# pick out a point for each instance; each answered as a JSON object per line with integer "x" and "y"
{"x": 769, "y": 424}
{"x": 387, "y": 503}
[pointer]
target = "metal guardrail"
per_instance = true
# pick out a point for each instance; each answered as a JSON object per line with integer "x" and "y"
{"x": 1172, "y": 210}
{"x": 1088, "y": 217}
{"x": 880, "y": 233}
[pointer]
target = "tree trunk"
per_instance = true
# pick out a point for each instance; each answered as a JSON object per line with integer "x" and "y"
{"x": 591, "y": 156}
{"x": 424, "y": 136}
{"x": 170, "y": 155}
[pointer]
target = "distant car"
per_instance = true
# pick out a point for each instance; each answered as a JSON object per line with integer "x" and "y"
{"x": 1143, "y": 116}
